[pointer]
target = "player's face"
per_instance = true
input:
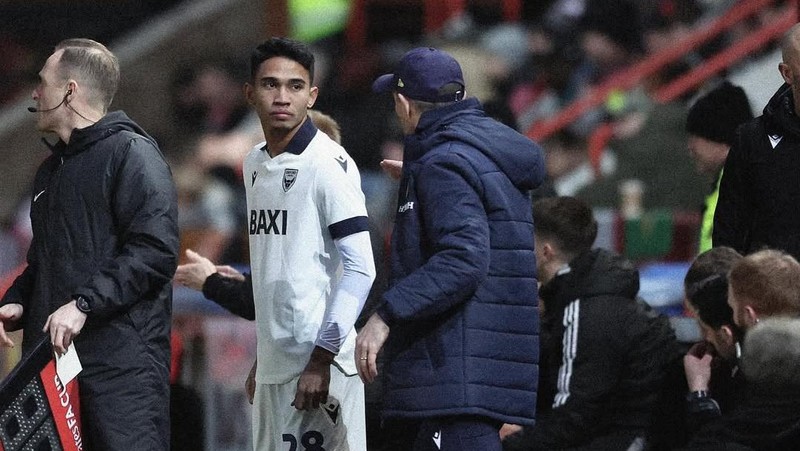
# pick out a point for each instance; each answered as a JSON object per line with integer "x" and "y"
{"x": 281, "y": 94}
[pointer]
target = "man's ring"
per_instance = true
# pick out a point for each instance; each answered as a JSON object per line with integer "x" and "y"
{"x": 364, "y": 358}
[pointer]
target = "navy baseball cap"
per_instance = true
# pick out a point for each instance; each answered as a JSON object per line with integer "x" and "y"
{"x": 424, "y": 74}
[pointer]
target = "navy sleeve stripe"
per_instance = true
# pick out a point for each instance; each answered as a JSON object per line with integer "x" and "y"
{"x": 348, "y": 227}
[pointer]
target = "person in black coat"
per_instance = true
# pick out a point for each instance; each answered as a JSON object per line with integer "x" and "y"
{"x": 759, "y": 190}
{"x": 104, "y": 250}
{"x": 605, "y": 354}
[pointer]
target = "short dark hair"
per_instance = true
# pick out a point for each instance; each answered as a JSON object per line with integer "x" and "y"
{"x": 285, "y": 47}
{"x": 706, "y": 285}
{"x": 567, "y": 221}
{"x": 94, "y": 65}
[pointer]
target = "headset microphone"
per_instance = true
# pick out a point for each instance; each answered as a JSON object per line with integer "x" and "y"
{"x": 36, "y": 110}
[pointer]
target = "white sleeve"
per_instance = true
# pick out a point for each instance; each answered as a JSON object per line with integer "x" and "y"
{"x": 350, "y": 293}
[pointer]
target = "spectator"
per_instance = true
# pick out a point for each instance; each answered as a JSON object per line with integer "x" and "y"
{"x": 104, "y": 250}
{"x": 711, "y": 124}
{"x": 604, "y": 354}
{"x": 764, "y": 284}
{"x": 758, "y": 193}
{"x": 712, "y": 368}
{"x": 459, "y": 320}
{"x": 769, "y": 418}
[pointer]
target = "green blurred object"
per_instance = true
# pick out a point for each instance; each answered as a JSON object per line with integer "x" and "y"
{"x": 650, "y": 235}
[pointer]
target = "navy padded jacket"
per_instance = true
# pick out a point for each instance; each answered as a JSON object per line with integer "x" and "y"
{"x": 462, "y": 304}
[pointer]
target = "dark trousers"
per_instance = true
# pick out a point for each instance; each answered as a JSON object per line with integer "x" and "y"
{"x": 457, "y": 433}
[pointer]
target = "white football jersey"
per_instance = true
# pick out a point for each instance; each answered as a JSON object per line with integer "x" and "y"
{"x": 298, "y": 203}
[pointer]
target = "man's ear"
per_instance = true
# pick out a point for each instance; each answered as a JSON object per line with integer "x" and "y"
{"x": 786, "y": 72}
{"x": 248, "y": 93}
{"x": 548, "y": 251}
{"x": 405, "y": 106}
{"x": 727, "y": 333}
{"x": 312, "y": 97}
{"x": 751, "y": 316}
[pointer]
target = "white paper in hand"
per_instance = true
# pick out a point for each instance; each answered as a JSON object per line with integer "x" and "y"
{"x": 68, "y": 365}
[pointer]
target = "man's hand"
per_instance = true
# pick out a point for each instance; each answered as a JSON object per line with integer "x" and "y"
{"x": 312, "y": 388}
{"x": 64, "y": 325}
{"x": 394, "y": 168}
{"x": 250, "y": 383}
{"x": 194, "y": 273}
{"x": 9, "y": 316}
{"x": 369, "y": 341}
{"x": 509, "y": 429}
{"x": 697, "y": 365}
{"x": 230, "y": 272}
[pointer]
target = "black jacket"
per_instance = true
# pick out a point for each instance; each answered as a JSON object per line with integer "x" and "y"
{"x": 766, "y": 420}
{"x": 604, "y": 358}
{"x": 760, "y": 188}
{"x": 104, "y": 217}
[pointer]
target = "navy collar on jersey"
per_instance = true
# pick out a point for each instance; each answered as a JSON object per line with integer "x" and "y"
{"x": 301, "y": 138}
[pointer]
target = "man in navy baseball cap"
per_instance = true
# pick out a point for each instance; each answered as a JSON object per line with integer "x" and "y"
{"x": 425, "y": 74}
{"x": 462, "y": 306}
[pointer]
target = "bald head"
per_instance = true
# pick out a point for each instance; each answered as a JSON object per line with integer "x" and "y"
{"x": 790, "y": 44}
{"x": 790, "y": 66}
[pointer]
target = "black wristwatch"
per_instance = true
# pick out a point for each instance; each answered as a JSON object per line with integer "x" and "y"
{"x": 697, "y": 395}
{"x": 82, "y": 302}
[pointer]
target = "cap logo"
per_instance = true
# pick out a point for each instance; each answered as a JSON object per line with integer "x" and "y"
{"x": 400, "y": 83}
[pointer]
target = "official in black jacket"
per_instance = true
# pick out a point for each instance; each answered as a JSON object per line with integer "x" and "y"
{"x": 604, "y": 354}
{"x": 104, "y": 250}
{"x": 760, "y": 190}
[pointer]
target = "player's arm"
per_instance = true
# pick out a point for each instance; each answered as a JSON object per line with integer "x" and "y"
{"x": 221, "y": 284}
{"x": 349, "y": 297}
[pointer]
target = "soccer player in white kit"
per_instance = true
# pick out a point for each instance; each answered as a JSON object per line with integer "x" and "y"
{"x": 311, "y": 263}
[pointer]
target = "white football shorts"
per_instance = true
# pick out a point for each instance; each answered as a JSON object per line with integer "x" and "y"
{"x": 338, "y": 425}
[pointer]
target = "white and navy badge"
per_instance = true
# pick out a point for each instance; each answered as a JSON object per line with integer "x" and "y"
{"x": 289, "y": 177}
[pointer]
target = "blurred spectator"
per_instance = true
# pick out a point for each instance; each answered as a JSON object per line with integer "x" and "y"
{"x": 759, "y": 190}
{"x": 712, "y": 372}
{"x": 769, "y": 418}
{"x": 208, "y": 96}
{"x": 604, "y": 354}
{"x": 711, "y": 124}
{"x": 568, "y": 165}
{"x": 646, "y": 137}
{"x": 764, "y": 284}
{"x": 18, "y": 66}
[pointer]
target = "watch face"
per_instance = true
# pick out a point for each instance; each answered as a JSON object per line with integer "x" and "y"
{"x": 83, "y": 304}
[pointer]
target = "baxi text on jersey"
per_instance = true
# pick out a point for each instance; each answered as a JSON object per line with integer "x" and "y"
{"x": 268, "y": 222}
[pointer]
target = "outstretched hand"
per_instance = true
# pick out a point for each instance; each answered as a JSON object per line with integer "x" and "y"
{"x": 194, "y": 273}
{"x": 392, "y": 167}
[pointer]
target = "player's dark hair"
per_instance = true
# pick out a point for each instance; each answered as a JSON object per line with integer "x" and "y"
{"x": 706, "y": 285}
{"x": 285, "y": 47}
